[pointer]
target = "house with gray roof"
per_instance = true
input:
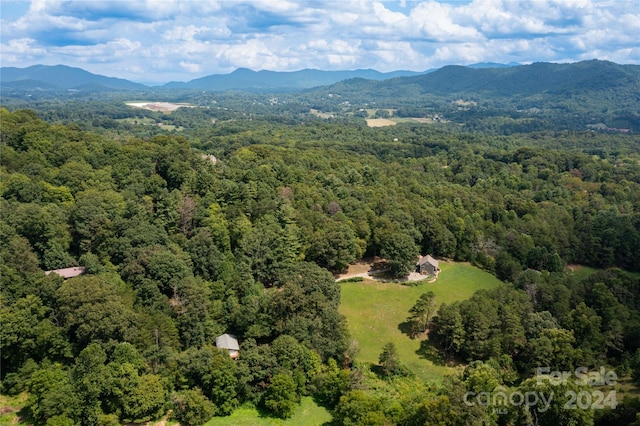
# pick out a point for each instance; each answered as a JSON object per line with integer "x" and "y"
{"x": 230, "y": 343}
{"x": 427, "y": 265}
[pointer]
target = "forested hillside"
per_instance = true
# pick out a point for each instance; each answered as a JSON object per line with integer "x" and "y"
{"x": 179, "y": 249}
{"x": 511, "y": 100}
{"x": 589, "y": 95}
{"x": 61, "y": 77}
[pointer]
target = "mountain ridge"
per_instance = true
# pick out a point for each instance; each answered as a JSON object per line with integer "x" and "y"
{"x": 526, "y": 80}
{"x": 484, "y": 78}
{"x": 243, "y": 78}
{"x": 63, "y": 77}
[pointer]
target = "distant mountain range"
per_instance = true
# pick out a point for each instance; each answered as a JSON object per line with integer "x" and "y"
{"x": 245, "y": 79}
{"x": 519, "y": 81}
{"x": 61, "y": 77}
{"x": 484, "y": 79}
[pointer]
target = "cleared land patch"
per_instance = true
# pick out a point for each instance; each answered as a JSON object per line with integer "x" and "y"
{"x": 380, "y": 122}
{"x": 374, "y": 311}
{"x": 424, "y": 120}
{"x": 307, "y": 414}
{"x": 159, "y": 106}
{"x": 145, "y": 121}
{"x": 9, "y": 408}
{"x": 324, "y": 115}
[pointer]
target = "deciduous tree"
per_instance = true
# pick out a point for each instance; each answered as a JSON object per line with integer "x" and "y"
{"x": 281, "y": 396}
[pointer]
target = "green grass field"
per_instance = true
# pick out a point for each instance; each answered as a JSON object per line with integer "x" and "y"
{"x": 581, "y": 272}
{"x": 374, "y": 311}
{"x": 307, "y": 414}
{"x": 9, "y": 406}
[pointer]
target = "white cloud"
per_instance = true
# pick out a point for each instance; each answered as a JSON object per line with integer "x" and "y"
{"x": 388, "y": 17}
{"x": 456, "y": 53}
{"x": 111, "y": 52}
{"x": 180, "y": 40}
{"x": 191, "y": 67}
{"x": 279, "y": 6}
{"x": 393, "y": 55}
{"x": 16, "y": 51}
{"x": 191, "y": 32}
{"x": 434, "y": 21}
{"x": 252, "y": 54}
{"x": 22, "y": 46}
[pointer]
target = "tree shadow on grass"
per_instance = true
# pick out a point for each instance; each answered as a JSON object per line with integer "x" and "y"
{"x": 405, "y": 328}
{"x": 320, "y": 403}
{"x": 430, "y": 351}
{"x": 263, "y": 413}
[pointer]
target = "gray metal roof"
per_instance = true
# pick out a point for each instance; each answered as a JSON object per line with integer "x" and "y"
{"x": 227, "y": 341}
{"x": 428, "y": 259}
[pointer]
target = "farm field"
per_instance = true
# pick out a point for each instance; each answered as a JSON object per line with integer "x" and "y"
{"x": 380, "y": 122}
{"x": 374, "y": 311}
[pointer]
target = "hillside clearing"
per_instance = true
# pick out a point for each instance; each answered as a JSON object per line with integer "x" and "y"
{"x": 159, "y": 106}
{"x": 375, "y": 310}
{"x": 308, "y": 413}
{"x": 380, "y": 122}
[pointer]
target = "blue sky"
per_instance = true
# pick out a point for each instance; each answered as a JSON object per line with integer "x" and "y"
{"x": 156, "y": 41}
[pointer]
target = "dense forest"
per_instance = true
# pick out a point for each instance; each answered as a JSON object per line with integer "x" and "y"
{"x": 234, "y": 221}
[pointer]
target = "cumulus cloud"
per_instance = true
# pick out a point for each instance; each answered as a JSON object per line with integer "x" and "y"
{"x": 191, "y": 67}
{"x": 435, "y": 21}
{"x": 21, "y": 49}
{"x": 167, "y": 40}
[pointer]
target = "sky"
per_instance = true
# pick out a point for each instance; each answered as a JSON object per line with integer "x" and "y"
{"x": 157, "y": 41}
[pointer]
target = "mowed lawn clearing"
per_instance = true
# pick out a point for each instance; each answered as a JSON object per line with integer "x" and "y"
{"x": 374, "y": 311}
{"x": 307, "y": 414}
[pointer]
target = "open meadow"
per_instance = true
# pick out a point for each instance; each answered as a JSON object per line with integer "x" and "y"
{"x": 374, "y": 311}
{"x": 307, "y": 414}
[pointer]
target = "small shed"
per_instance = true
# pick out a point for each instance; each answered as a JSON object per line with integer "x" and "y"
{"x": 427, "y": 265}
{"x": 67, "y": 272}
{"x": 230, "y": 343}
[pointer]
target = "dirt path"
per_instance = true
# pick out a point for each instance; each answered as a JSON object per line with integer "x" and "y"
{"x": 414, "y": 276}
{"x": 349, "y": 276}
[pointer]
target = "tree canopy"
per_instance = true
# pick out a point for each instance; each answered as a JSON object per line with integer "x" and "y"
{"x": 178, "y": 249}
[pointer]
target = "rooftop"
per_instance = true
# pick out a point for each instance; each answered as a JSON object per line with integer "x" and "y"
{"x": 227, "y": 341}
{"x": 428, "y": 259}
{"x": 67, "y": 272}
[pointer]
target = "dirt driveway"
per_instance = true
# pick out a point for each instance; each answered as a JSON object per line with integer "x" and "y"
{"x": 364, "y": 269}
